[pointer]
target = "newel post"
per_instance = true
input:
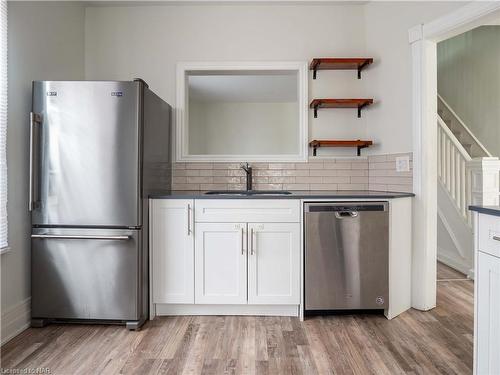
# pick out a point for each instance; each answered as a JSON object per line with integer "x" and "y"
{"x": 484, "y": 181}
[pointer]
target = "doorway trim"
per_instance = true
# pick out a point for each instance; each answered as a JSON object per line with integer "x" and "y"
{"x": 423, "y": 39}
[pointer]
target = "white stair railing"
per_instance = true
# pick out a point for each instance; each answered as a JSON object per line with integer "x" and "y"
{"x": 467, "y": 180}
{"x": 453, "y": 172}
{"x": 457, "y": 124}
{"x": 467, "y": 174}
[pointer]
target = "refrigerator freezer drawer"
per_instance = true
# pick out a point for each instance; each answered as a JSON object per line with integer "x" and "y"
{"x": 85, "y": 273}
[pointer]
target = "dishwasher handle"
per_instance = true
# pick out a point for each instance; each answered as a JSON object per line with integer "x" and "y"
{"x": 346, "y": 214}
{"x": 345, "y": 209}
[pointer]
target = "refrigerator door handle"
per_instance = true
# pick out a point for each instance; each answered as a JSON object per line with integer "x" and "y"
{"x": 35, "y": 119}
{"x": 80, "y": 237}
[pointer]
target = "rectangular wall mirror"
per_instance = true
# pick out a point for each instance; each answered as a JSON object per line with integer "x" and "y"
{"x": 242, "y": 112}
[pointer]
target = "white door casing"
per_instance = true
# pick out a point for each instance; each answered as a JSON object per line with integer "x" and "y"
{"x": 423, "y": 39}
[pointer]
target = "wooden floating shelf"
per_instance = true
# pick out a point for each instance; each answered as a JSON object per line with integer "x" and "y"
{"x": 329, "y": 63}
{"x": 340, "y": 103}
{"x": 359, "y": 144}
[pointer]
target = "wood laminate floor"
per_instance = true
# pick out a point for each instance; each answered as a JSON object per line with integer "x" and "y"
{"x": 434, "y": 342}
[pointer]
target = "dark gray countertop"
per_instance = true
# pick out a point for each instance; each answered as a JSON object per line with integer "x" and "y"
{"x": 489, "y": 210}
{"x": 333, "y": 194}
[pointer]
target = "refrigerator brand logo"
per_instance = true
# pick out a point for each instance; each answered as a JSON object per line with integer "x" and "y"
{"x": 51, "y": 93}
{"x": 116, "y": 93}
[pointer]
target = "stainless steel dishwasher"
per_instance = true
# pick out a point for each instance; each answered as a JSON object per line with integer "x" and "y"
{"x": 346, "y": 256}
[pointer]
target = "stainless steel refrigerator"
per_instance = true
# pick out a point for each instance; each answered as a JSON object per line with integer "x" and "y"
{"x": 97, "y": 150}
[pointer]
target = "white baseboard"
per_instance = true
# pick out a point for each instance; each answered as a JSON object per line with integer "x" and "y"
{"x": 15, "y": 320}
{"x": 258, "y": 310}
{"x": 455, "y": 262}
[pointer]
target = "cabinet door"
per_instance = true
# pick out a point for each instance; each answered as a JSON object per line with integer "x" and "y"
{"x": 221, "y": 263}
{"x": 274, "y": 263}
{"x": 488, "y": 314}
{"x": 172, "y": 250}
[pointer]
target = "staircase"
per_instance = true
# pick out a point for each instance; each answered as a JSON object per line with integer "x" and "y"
{"x": 467, "y": 174}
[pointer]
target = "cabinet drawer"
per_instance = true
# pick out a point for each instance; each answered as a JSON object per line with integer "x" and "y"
{"x": 489, "y": 234}
{"x": 247, "y": 210}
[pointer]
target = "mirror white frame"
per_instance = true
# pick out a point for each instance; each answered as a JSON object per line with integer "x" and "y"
{"x": 181, "y": 117}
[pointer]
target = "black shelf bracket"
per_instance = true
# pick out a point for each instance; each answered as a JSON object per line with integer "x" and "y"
{"x": 359, "y": 149}
{"x": 361, "y": 67}
{"x": 360, "y": 108}
{"x": 314, "y": 71}
{"x": 315, "y": 111}
{"x": 315, "y": 150}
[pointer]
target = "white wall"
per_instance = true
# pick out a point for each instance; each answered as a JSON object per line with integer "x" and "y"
{"x": 469, "y": 81}
{"x": 148, "y": 41}
{"x": 389, "y": 81}
{"x": 45, "y": 43}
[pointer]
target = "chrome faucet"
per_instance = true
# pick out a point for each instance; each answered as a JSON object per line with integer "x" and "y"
{"x": 248, "y": 170}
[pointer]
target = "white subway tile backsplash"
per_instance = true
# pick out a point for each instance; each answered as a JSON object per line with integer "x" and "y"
{"x": 359, "y": 180}
{"x": 213, "y": 186}
{"x": 179, "y": 180}
{"x": 268, "y": 186}
{"x": 296, "y": 172}
{"x": 282, "y": 166}
{"x": 226, "y": 180}
{"x": 373, "y": 172}
{"x": 199, "y": 180}
{"x": 401, "y": 188}
{"x": 340, "y": 165}
{"x": 377, "y": 158}
{"x": 185, "y": 186}
{"x": 390, "y": 180}
{"x": 236, "y": 186}
{"x": 308, "y": 180}
{"x": 353, "y": 186}
{"x": 336, "y": 180}
{"x": 351, "y": 172}
{"x": 390, "y": 172}
{"x": 267, "y": 172}
{"x": 378, "y": 187}
{"x": 323, "y": 172}
{"x": 384, "y": 177}
{"x": 314, "y": 165}
{"x": 261, "y": 180}
{"x": 236, "y": 172}
{"x": 383, "y": 165}
{"x": 282, "y": 180}
{"x": 324, "y": 187}
{"x": 199, "y": 166}
{"x": 296, "y": 186}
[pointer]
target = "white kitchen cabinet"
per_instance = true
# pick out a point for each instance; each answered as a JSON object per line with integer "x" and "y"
{"x": 221, "y": 263}
{"x": 274, "y": 263}
{"x": 488, "y": 314}
{"x": 172, "y": 250}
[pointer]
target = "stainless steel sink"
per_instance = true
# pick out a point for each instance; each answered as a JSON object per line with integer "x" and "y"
{"x": 248, "y": 192}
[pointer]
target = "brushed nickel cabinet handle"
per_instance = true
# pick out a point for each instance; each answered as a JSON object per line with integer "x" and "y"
{"x": 242, "y": 241}
{"x": 188, "y": 219}
{"x": 252, "y": 232}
